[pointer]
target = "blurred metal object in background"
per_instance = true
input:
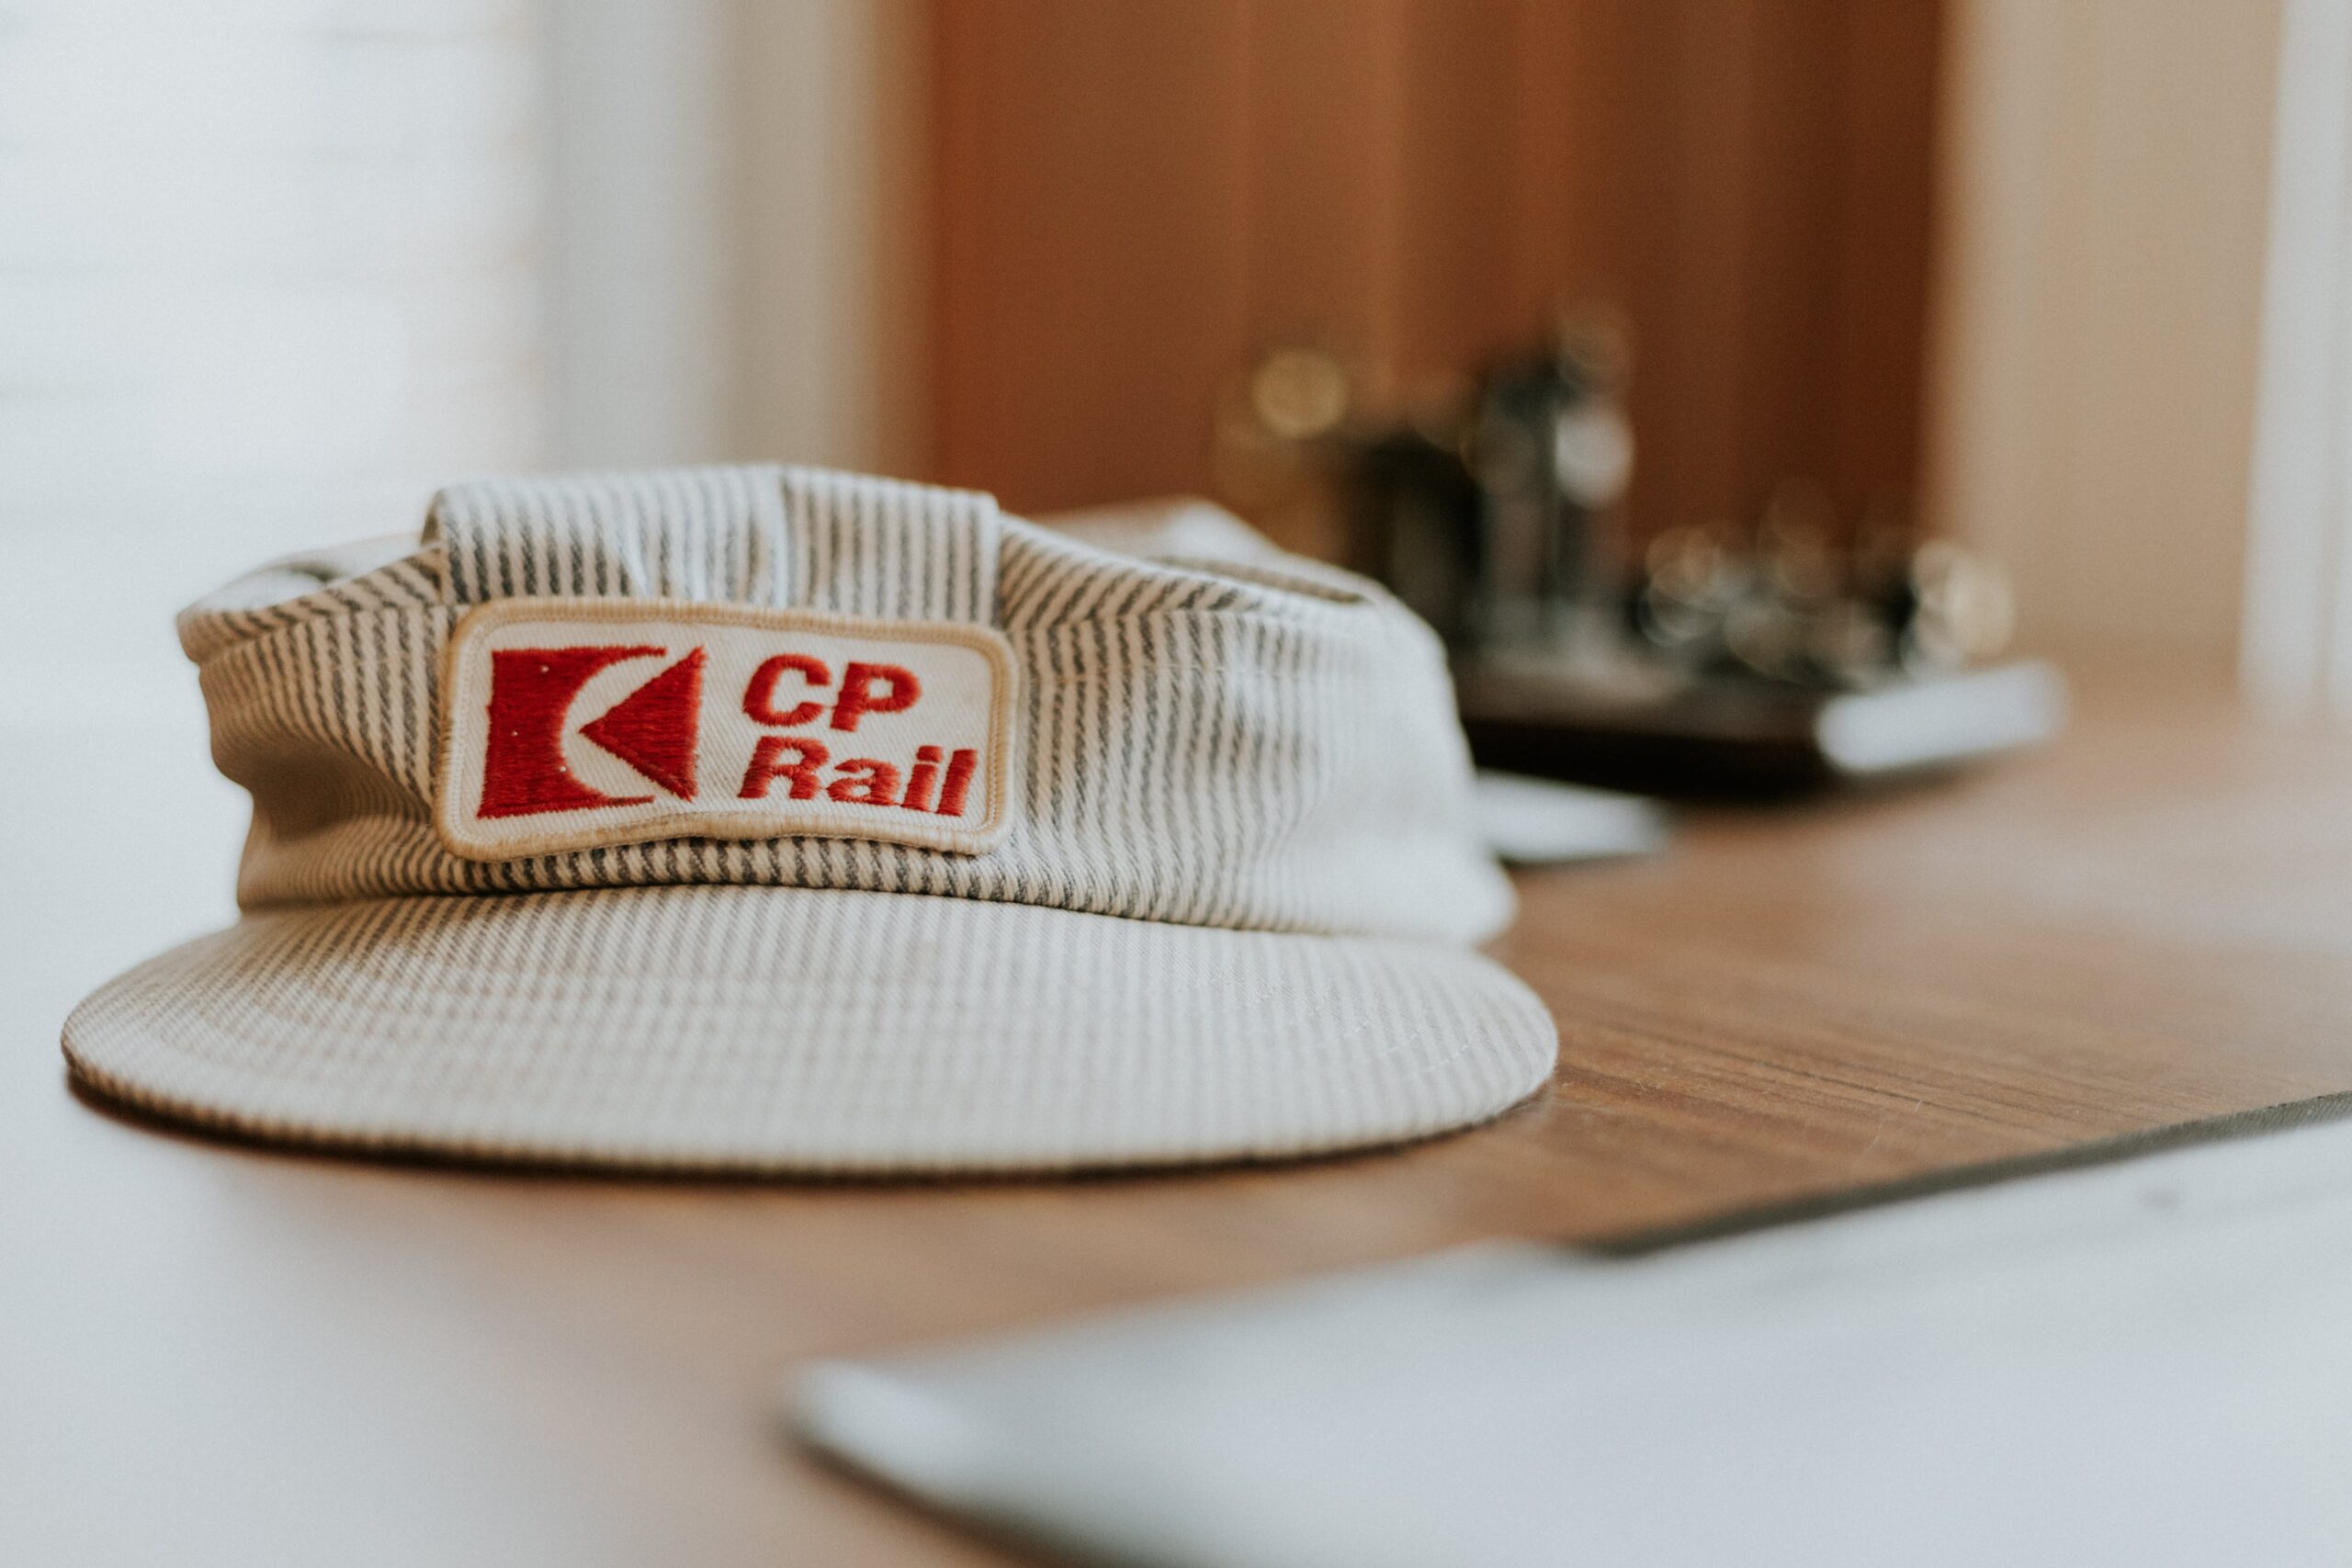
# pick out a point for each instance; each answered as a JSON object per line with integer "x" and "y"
{"x": 1794, "y": 607}
{"x": 1550, "y": 451}
{"x": 1767, "y": 654}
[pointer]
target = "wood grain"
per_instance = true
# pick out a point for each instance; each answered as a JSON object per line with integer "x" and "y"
{"x": 1133, "y": 201}
{"x": 270, "y": 1357}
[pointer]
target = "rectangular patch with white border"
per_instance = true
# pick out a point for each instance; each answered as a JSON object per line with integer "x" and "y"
{"x": 570, "y": 724}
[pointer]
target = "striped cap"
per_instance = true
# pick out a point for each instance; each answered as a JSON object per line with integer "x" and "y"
{"x": 773, "y": 818}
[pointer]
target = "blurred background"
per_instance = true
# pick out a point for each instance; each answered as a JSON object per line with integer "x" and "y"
{"x": 2069, "y": 281}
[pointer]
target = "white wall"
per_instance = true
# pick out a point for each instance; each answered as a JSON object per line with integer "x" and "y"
{"x": 833, "y": 299}
{"x": 640, "y": 261}
{"x": 738, "y": 265}
{"x": 2107, "y": 180}
{"x": 269, "y": 270}
{"x": 2298, "y": 562}
{"x": 272, "y": 270}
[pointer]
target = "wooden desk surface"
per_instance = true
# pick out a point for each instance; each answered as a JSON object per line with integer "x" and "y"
{"x": 217, "y": 1352}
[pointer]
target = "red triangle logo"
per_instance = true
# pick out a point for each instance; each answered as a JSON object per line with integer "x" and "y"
{"x": 652, "y": 728}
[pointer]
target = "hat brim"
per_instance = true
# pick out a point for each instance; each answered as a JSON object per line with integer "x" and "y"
{"x": 763, "y": 1029}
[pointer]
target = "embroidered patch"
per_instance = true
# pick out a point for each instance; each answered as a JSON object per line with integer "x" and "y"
{"x": 568, "y": 724}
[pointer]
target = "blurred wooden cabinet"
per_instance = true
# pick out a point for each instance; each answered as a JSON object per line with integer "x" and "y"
{"x": 1132, "y": 197}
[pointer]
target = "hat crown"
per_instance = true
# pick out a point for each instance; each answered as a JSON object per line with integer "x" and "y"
{"x": 761, "y": 535}
{"x": 1206, "y": 742}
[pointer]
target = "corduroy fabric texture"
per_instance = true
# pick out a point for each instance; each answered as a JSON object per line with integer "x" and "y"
{"x": 1228, "y": 921}
{"x": 782, "y": 1027}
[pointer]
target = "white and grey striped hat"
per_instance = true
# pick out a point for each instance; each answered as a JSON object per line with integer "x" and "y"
{"x": 769, "y": 819}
